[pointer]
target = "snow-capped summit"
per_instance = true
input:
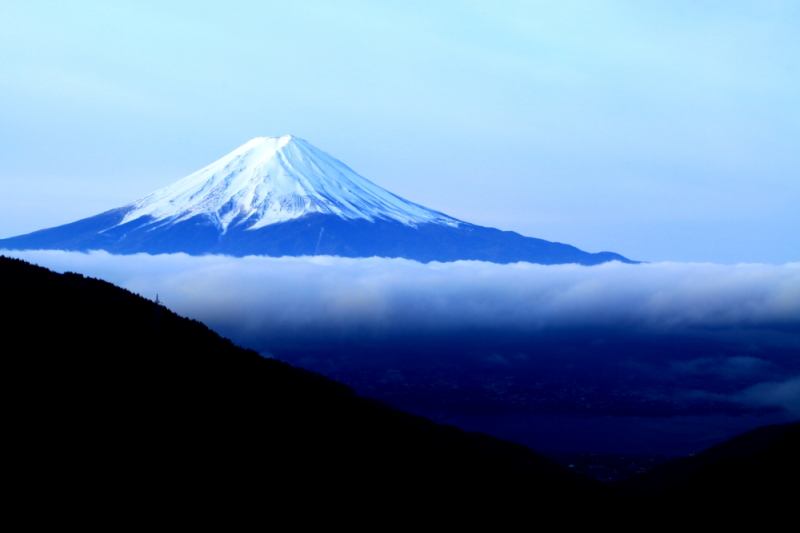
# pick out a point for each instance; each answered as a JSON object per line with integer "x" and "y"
{"x": 280, "y": 196}
{"x": 275, "y": 179}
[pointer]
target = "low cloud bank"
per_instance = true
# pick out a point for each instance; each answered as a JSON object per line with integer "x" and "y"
{"x": 262, "y": 302}
{"x": 785, "y": 394}
{"x": 278, "y": 297}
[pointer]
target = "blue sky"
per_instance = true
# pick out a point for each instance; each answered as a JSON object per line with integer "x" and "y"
{"x": 659, "y": 130}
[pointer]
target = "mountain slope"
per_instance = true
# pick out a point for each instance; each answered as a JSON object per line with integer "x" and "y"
{"x": 685, "y": 470}
{"x": 270, "y": 180}
{"x": 118, "y": 409}
{"x": 113, "y": 394}
{"x": 748, "y": 480}
{"x": 281, "y": 196}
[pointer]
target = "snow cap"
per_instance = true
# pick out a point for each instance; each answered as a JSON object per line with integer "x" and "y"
{"x": 269, "y": 180}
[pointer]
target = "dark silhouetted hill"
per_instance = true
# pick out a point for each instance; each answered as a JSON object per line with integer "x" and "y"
{"x": 115, "y": 399}
{"x": 750, "y": 481}
{"x": 682, "y": 471}
{"x": 119, "y": 410}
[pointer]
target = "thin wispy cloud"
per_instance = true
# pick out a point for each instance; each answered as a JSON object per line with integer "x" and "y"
{"x": 784, "y": 394}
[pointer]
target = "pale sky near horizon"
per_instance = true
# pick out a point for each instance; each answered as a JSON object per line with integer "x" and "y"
{"x": 661, "y": 130}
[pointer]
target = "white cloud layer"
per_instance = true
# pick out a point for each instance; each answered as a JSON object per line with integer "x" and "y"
{"x": 275, "y": 297}
{"x": 258, "y": 300}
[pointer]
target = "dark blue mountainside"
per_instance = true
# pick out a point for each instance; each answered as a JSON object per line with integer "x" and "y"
{"x": 311, "y": 234}
{"x": 283, "y": 197}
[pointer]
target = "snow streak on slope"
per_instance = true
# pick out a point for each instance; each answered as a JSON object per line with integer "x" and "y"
{"x": 275, "y": 179}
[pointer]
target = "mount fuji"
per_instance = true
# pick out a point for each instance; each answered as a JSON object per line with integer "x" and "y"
{"x": 281, "y": 196}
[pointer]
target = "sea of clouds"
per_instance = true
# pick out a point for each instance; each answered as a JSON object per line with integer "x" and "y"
{"x": 281, "y": 295}
{"x": 266, "y": 298}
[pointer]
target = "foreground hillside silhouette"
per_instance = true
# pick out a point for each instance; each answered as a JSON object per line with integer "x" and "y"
{"x": 120, "y": 402}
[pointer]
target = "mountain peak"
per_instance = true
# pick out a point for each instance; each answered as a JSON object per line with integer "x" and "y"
{"x": 266, "y": 145}
{"x": 269, "y": 180}
{"x": 282, "y": 196}
{"x": 277, "y": 142}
